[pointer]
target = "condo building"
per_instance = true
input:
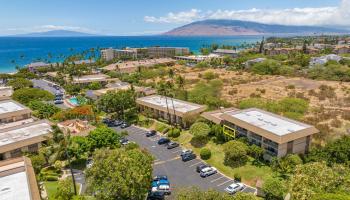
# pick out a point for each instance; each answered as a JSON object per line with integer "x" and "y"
{"x": 277, "y": 135}
{"x": 5, "y": 91}
{"x": 19, "y": 132}
{"x": 169, "y": 108}
{"x": 17, "y": 180}
{"x": 161, "y": 52}
{"x": 139, "y": 53}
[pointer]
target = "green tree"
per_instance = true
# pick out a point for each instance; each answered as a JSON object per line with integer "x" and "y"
{"x": 120, "y": 174}
{"x": 274, "y": 188}
{"x": 103, "y": 137}
{"x": 25, "y": 95}
{"x": 331, "y": 196}
{"x": 200, "y": 131}
{"x": 43, "y": 110}
{"x": 19, "y": 83}
{"x": 287, "y": 164}
{"x": 312, "y": 179}
{"x": 236, "y": 153}
{"x": 194, "y": 193}
{"x": 65, "y": 190}
{"x": 118, "y": 102}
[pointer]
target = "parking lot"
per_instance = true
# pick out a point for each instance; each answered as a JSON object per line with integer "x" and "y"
{"x": 46, "y": 85}
{"x": 168, "y": 162}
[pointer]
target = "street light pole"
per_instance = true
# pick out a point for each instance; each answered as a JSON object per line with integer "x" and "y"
{"x": 70, "y": 165}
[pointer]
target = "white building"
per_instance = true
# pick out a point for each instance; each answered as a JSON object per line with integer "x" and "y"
{"x": 5, "y": 91}
{"x": 324, "y": 59}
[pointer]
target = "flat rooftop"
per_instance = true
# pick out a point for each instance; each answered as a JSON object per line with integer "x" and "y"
{"x": 24, "y": 132}
{"x": 216, "y": 115}
{"x": 8, "y": 106}
{"x": 17, "y": 180}
{"x": 91, "y": 77}
{"x": 135, "y": 64}
{"x": 177, "y": 105}
{"x": 269, "y": 125}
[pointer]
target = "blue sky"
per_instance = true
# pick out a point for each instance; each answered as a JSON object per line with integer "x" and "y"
{"x": 138, "y": 17}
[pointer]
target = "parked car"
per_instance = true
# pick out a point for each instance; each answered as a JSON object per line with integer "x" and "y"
{"x": 186, "y": 151}
{"x": 160, "y": 177}
{"x": 164, "y": 188}
{"x": 208, "y": 172}
{"x": 106, "y": 120}
{"x": 58, "y": 101}
{"x": 163, "y": 141}
{"x": 156, "y": 195}
{"x": 172, "y": 145}
{"x": 151, "y": 133}
{"x": 124, "y": 125}
{"x": 235, "y": 187}
{"x": 201, "y": 166}
{"x": 188, "y": 157}
{"x": 117, "y": 122}
{"x": 89, "y": 163}
{"x": 124, "y": 141}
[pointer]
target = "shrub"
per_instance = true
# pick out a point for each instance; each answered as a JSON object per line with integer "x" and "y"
{"x": 236, "y": 153}
{"x": 174, "y": 133}
{"x": 237, "y": 177}
{"x": 205, "y": 153}
{"x": 200, "y": 130}
{"x": 51, "y": 178}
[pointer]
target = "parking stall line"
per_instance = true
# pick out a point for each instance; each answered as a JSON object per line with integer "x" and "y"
{"x": 176, "y": 151}
{"x": 195, "y": 164}
{"x": 165, "y": 161}
{"x": 224, "y": 183}
{"x": 217, "y": 179}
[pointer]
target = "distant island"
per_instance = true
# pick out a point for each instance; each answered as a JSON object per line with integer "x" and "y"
{"x": 237, "y": 27}
{"x": 56, "y": 33}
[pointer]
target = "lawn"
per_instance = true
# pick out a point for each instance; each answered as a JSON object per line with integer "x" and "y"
{"x": 51, "y": 188}
{"x": 250, "y": 172}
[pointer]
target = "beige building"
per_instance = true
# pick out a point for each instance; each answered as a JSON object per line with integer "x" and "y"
{"x": 277, "y": 135}
{"x": 19, "y": 132}
{"x": 17, "y": 180}
{"x": 133, "y": 66}
{"x": 23, "y": 138}
{"x": 134, "y": 53}
{"x": 87, "y": 79}
{"x": 5, "y": 91}
{"x": 75, "y": 127}
{"x": 161, "y": 106}
{"x": 170, "y": 52}
{"x": 216, "y": 115}
{"x": 11, "y": 111}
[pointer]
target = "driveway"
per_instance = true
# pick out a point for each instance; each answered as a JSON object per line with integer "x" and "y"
{"x": 168, "y": 162}
{"x": 47, "y": 85}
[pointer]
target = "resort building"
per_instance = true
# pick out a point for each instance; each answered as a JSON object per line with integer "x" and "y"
{"x": 23, "y": 138}
{"x": 133, "y": 66}
{"x": 342, "y": 49}
{"x": 75, "y": 127}
{"x": 36, "y": 65}
{"x": 167, "y": 52}
{"x": 11, "y": 111}
{"x": 226, "y": 52}
{"x": 197, "y": 58}
{"x": 277, "y": 135}
{"x": 107, "y": 54}
{"x": 5, "y": 91}
{"x": 165, "y": 107}
{"x": 87, "y": 79}
{"x": 17, "y": 180}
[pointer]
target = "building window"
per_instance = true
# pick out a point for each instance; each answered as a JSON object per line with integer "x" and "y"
{"x": 16, "y": 153}
{"x": 290, "y": 147}
{"x": 33, "y": 148}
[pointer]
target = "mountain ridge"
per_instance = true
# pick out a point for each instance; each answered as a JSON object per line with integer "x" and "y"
{"x": 237, "y": 27}
{"x": 55, "y": 33}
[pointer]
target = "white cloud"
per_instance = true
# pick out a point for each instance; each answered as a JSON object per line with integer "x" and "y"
{"x": 339, "y": 15}
{"x": 181, "y": 17}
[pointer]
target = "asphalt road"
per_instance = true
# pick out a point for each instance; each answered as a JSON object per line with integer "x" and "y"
{"x": 168, "y": 162}
{"x": 46, "y": 85}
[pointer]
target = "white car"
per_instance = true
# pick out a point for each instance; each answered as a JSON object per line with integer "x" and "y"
{"x": 208, "y": 171}
{"x": 186, "y": 151}
{"x": 235, "y": 187}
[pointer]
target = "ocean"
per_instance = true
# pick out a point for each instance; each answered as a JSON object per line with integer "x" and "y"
{"x": 19, "y": 51}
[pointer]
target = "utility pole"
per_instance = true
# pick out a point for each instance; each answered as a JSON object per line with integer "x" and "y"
{"x": 70, "y": 165}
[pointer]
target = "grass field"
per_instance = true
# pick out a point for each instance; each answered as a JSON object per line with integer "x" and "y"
{"x": 51, "y": 188}
{"x": 250, "y": 172}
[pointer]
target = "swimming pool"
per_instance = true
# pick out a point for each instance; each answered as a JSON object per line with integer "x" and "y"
{"x": 74, "y": 101}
